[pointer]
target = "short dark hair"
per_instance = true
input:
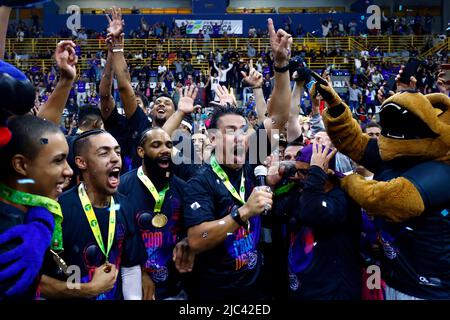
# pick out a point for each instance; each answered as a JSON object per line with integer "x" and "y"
{"x": 169, "y": 97}
{"x": 28, "y": 137}
{"x": 143, "y": 98}
{"x": 222, "y": 111}
{"x": 88, "y": 115}
{"x": 372, "y": 125}
{"x": 81, "y": 142}
{"x": 296, "y": 143}
{"x": 143, "y": 136}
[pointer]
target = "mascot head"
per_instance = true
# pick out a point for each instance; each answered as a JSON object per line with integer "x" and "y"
{"x": 17, "y": 97}
{"x": 415, "y": 126}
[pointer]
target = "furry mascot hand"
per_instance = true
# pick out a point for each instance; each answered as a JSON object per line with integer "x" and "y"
{"x": 26, "y": 259}
{"x": 325, "y": 90}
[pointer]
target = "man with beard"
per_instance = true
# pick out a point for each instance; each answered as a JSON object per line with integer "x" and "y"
{"x": 222, "y": 210}
{"x": 99, "y": 234}
{"x": 158, "y": 195}
{"x": 128, "y": 129}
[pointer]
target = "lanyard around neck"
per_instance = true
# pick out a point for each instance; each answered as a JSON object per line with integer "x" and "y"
{"x": 93, "y": 223}
{"x": 32, "y": 200}
{"x": 226, "y": 181}
{"x": 159, "y": 197}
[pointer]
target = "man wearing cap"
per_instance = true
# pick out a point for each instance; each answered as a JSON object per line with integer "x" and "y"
{"x": 323, "y": 255}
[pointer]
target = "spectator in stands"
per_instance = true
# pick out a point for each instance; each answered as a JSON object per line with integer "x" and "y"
{"x": 251, "y": 51}
{"x": 216, "y": 29}
{"x": 162, "y": 69}
{"x": 223, "y": 73}
{"x": 352, "y": 28}
{"x": 355, "y": 97}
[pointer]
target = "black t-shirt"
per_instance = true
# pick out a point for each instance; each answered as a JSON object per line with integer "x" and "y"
{"x": 10, "y": 217}
{"x": 127, "y": 132}
{"x": 116, "y": 124}
{"x": 416, "y": 252}
{"x": 81, "y": 248}
{"x": 323, "y": 257}
{"x": 232, "y": 269}
{"x": 159, "y": 242}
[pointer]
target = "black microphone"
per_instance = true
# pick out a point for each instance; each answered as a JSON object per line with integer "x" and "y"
{"x": 261, "y": 174}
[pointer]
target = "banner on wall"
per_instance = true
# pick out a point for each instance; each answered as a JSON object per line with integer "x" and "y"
{"x": 228, "y": 26}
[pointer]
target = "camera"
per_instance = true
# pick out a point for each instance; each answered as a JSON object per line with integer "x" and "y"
{"x": 295, "y": 64}
{"x": 288, "y": 169}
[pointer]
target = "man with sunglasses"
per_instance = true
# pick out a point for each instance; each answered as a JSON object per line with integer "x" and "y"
{"x": 323, "y": 255}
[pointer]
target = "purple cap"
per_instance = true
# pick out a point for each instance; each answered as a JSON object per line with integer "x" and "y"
{"x": 305, "y": 155}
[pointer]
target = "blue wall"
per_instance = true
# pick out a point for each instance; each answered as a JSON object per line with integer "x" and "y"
{"x": 53, "y": 23}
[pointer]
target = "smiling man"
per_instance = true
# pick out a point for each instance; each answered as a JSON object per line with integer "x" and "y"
{"x": 162, "y": 110}
{"x": 34, "y": 170}
{"x": 98, "y": 232}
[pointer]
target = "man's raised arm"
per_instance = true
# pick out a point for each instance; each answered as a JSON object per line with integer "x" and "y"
{"x": 66, "y": 60}
{"x": 120, "y": 66}
{"x": 279, "y": 105}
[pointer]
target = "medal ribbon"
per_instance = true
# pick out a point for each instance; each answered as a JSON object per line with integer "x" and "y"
{"x": 33, "y": 200}
{"x": 223, "y": 176}
{"x": 284, "y": 189}
{"x": 93, "y": 223}
{"x": 159, "y": 197}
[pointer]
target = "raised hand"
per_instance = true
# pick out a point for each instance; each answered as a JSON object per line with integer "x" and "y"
{"x": 116, "y": 24}
{"x": 321, "y": 156}
{"x": 402, "y": 86}
{"x": 66, "y": 59}
{"x": 186, "y": 102}
{"x": 254, "y": 78}
{"x": 225, "y": 96}
{"x": 326, "y": 91}
{"x": 281, "y": 43}
{"x": 442, "y": 85}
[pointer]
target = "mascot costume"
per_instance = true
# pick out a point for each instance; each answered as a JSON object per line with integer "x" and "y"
{"x": 23, "y": 242}
{"x": 410, "y": 194}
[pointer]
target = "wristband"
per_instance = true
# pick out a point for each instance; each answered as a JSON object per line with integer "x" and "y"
{"x": 236, "y": 217}
{"x": 117, "y": 50}
{"x": 281, "y": 69}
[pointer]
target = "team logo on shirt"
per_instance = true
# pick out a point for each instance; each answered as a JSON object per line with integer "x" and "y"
{"x": 294, "y": 284}
{"x": 160, "y": 274}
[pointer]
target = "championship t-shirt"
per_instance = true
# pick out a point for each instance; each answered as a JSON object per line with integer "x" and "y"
{"x": 81, "y": 248}
{"x": 232, "y": 268}
{"x": 159, "y": 242}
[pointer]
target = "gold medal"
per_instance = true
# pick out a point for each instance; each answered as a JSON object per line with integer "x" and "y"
{"x": 159, "y": 220}
{"x": 107, "y": 267}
